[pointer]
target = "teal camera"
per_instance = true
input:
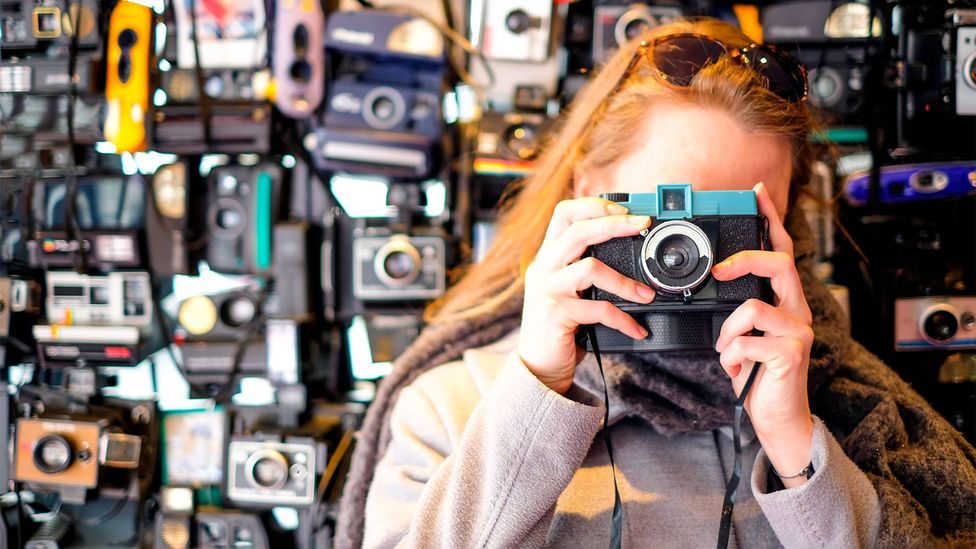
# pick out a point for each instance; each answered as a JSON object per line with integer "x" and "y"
{"x": 690, "y": 232}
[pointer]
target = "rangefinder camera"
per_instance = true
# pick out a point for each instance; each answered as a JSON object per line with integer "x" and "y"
{"x": 689, "y": 233}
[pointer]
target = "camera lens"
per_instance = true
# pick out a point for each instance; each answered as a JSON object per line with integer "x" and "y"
{"x": 383, "y": 108}
{"x": 522, "y": 141}
{"x": 398, "y": 265}
{"x": 969, "y": 70}
{"x": 301, "y": 71}
{"x": 267, "y": 469}
{"x": 52, "y": 454}
{"x": 826, "y": 87}
{"x": 676, "y": 257}
{"x": 237, "y": 311}
{"x": 940, "y": 325}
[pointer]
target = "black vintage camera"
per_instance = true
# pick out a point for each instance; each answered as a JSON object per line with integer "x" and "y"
{"x": 213, "y": 84}
{"x": 383, "y": 107}
{"x": 691, "y": 232}
{"x": 831, "y": 39}
{"x": 37, "y": 39}
{"x": 939, "y": 111}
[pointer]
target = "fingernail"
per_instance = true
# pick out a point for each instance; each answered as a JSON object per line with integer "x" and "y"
{"x": 721, "y": 266}
{"x": 638, "y": 220}
{"x": 645, "y": 291}
{"x": 758, "y": 187}
{"x": 644, "y": 333}
{"x": 616, "y": 209}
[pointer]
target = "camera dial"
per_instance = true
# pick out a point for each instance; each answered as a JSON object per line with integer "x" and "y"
{"x": 676, "y": 257}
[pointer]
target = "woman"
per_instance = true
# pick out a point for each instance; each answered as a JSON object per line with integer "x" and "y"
{"x": 499, "y": 449}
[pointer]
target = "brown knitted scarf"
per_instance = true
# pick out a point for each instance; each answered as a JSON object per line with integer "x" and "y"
{"x": 924, "y": 470}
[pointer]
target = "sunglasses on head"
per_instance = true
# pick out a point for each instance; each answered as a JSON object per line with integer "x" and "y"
{"x": 678, "y": 58}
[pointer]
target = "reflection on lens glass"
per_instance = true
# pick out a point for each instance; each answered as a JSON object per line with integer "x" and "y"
{"x": 677, "y": 256}
{"x": 269, "y": 472}
{"x": 237, "y": 311}
{"x": 384, "y": 108}
{"x": 54, "y": 455}
{"x": 941, "y": 325}
{"x": 398, "y": 265}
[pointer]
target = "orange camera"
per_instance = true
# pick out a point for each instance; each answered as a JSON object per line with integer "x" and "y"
{"x": 57, "y": 452}
{"x": 68, "y": 453}
{"x": 127, "y": 76}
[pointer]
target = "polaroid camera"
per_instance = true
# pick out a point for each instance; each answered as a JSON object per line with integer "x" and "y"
{"x": 383, "y": 104}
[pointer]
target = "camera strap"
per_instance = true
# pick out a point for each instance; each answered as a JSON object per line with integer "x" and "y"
{"x": 731, "y": 489}
{"x": 617, "y": 516}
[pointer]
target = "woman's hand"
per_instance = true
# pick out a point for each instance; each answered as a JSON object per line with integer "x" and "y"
{"x": 777, "y": 403}
{"x": 553, "y": 308}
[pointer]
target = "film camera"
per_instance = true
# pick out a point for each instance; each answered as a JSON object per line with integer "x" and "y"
{"x": 242, "y": 207}
{"x": 830, "y": 39}
{"x": 225, "y": 110}
{"x": 20, "y": 302}
{"x": 99, "y": 319}
{"x": 383, "y": 106}
{"x": 102, "y": 447}
{"x": 268, "y": 471}
{"x": 935, "y": 323}
{"x": 37, "y": 38}
{"x": 615, "y": 24}
{"x": 690, "y": 232}
{"x": 940, "y": 80}
{"x": 393, "y": 267}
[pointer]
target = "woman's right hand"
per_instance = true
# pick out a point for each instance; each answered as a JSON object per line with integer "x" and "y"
{"x": 553, "y": 308}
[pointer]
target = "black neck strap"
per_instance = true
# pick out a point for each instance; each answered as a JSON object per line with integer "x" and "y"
{"x": 731, "y": 489}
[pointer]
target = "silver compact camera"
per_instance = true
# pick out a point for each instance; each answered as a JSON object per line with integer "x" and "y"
{"x": 614, "y": 25}
{"x": 270, "y": 473}
{"x": 965, "y": 76}
{"x": 935, "y": 323}
{"x": 398, "y": 267}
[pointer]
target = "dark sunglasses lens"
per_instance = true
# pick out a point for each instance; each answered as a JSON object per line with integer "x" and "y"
{"x": 680, "y": 58}
{"x": 785, "y": 75}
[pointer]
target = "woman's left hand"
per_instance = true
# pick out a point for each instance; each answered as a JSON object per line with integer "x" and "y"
{"x": 777, "y": 402}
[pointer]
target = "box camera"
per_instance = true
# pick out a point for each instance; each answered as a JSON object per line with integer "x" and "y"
{"x": 36, "y": 39}
{"x": 242, "y": 208}
{"x": 398, "y": 267}
{"x": 690, "y": 232}
{"x": 912, "y": 182}
{"x": 383, "y": 107}
{"x": 174, "y": 218}
{"x": 66, "y": 453}
{"x": 614, "y": 25}
{"x": 936, "y": 323}
{"x": 266, "y": 472}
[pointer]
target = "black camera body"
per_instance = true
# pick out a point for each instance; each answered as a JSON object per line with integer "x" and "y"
{"x": 690, "y": 232}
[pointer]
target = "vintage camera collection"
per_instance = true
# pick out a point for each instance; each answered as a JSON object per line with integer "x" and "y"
{"x": 244, "y": 212}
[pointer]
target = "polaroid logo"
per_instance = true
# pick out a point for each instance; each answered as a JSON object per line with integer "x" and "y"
{"x": 57, "y": 79}
{"x": 52, "y": 427}
{"x": 346, "y": 103}
{"x": 61, "y": 246}
{"x": 360, "y": 38}
{"x": 62, "y": 352}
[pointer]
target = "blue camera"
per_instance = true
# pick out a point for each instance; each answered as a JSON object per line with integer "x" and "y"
{"x": 690, "y": 232}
